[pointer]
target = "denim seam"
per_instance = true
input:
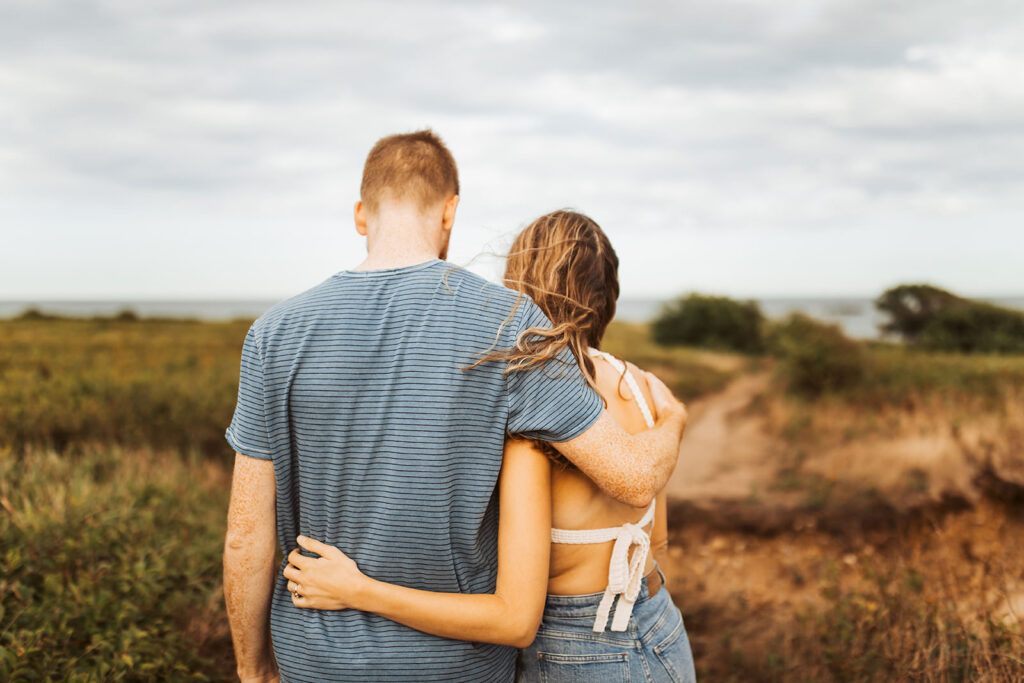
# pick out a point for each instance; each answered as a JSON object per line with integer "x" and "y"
{"x": 670, "y": 638}
{"x": 650, "y": 633}
{"x": 604, "y": 658}
{"x": 587, "y": 637}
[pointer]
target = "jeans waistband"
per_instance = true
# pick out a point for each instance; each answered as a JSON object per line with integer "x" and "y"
{"x": 583, "y": 605}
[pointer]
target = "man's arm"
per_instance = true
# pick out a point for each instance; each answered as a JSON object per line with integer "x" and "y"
{"x": 632, "y": 468}
{"x": 249, "y": 566}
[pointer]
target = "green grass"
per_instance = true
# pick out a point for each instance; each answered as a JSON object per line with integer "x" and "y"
{"x": 890, "y": 375}
{"x": 111, "y": 567}
{"x": 165, "y": 384}
{"x": 898, "y": 376}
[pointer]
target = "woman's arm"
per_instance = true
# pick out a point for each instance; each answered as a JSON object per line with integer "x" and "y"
{"x": 510, "y": 616}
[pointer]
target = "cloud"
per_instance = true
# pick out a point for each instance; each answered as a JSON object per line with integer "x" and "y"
{"x": 666, "y": 120}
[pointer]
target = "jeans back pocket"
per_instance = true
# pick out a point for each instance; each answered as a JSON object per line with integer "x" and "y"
{"x": 673, "y": 650}
{"x": 610, "y": 667}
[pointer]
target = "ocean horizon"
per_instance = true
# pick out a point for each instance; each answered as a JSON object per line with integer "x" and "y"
{"x": 857, "y": 316}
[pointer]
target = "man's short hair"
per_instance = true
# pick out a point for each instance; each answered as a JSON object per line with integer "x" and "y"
{"x": 414, "y": 166}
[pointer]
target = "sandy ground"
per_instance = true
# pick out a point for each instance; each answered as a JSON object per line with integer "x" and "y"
{"x": 723, "y": 455}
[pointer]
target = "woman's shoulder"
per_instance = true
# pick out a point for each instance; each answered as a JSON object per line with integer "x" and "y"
{"x": 610, "y": 381}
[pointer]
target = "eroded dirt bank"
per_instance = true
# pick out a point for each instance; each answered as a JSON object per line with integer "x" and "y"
{"x": 904, "y": 552}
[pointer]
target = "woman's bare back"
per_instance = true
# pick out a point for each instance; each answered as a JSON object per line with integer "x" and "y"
{"x": 577, "y": 503}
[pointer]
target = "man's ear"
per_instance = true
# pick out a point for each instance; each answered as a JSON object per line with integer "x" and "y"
{"x": 448, "y": 217}
{"x": 359, "y": 213}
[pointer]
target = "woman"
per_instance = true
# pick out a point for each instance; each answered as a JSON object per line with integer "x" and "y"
{"x": 599, "y": 553}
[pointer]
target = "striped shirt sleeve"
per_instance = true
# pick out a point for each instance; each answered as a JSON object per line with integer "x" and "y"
{"x": 248, "y": 431}
{"x": 553, "y": 402}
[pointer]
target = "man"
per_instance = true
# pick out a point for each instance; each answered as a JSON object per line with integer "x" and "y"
{"x": 360, "y": 423}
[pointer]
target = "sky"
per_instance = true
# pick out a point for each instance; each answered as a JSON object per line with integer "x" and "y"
{"x": 756, "y": 148}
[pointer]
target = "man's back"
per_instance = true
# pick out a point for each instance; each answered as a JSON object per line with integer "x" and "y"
{"x": 385, "y": 446}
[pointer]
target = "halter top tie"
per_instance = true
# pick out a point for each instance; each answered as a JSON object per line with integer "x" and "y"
{"x": 632, "y": 544}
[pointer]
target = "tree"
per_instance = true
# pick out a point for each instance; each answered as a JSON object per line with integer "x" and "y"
{"x": 911, "y": 308}
{"x": 935, "y": 319}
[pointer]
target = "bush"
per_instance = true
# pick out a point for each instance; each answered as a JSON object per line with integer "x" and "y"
{"x": 972, "y": 327}
{"x": 710, "y": 321}
{"x": 815, "y": 358}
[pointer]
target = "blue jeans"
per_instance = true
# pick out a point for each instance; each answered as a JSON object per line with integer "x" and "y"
{"x": 654, "y": 646}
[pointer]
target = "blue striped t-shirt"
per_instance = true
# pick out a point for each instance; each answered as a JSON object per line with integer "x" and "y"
{"x": 384, "y": 445}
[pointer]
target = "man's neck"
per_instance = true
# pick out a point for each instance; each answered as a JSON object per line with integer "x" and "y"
{"x": 400, "y": 236}
{"x": 381, "y": 259}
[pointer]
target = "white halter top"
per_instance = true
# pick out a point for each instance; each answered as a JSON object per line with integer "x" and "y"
{"x": 625, "y": 571}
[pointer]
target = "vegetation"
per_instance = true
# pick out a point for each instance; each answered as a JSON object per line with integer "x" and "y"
{"x": 712, "y": 322}
{"x": 689, "y": 372}
{"x": 880, "y": 624}
{"x": 114, "y": 483}
{"x": 815, "y": 358}
{"x": 939, "y": 320}
{"x": 65, "y": 383}
{"x": 111, "y": 567}
{"x": 975, "y": 328}
{"x": 911, "y": 308}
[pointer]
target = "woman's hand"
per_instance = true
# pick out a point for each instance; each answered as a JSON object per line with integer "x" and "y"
{"x": 331, "y": 581}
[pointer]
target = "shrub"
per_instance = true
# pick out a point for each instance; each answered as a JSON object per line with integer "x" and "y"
{"x": 815, "y": 358}
{"x": 34, "y": 314}
{"x": 710, "y": 321}
{"x": 974, "y": 327}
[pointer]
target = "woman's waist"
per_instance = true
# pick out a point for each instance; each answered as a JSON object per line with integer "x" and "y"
{"x": 583, "y": 569}
{"x": 584, "y": 605}
{"x": 580, "y": 560}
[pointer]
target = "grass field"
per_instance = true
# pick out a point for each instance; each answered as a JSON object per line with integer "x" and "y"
{"x": 114, "y": 490}
{"x": 111, "y": 566}
{"x": 149, "y": 383}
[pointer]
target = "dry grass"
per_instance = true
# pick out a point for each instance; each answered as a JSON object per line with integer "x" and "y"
{"x": 931, "y": 448}
{"x": 934, "y": 597}
{"x": 691, "y": 373}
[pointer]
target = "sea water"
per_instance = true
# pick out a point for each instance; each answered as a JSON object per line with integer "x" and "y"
{"x": 857, "y": 317}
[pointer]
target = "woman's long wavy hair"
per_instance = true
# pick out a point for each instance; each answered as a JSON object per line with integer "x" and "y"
{"x": 565, "y": 263}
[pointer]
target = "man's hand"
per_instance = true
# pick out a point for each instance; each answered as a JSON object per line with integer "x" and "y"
{"x": 665, "y": 402}
{"x": 631, "y": 468}
{"x": 331, "y": 581}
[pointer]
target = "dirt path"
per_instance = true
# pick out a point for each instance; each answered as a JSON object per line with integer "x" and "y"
{"x": 723, "y": 454}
